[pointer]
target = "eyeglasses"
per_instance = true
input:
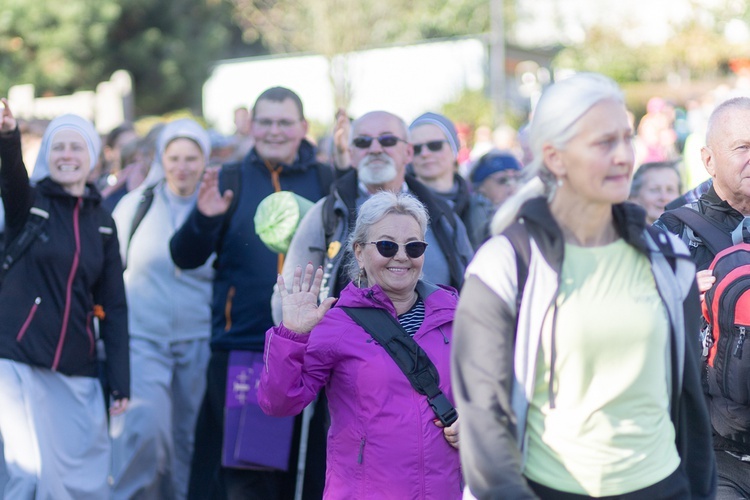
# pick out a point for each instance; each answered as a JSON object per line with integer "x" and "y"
{"x": 267, "y": 123}
{"x": 386, "y": 140}
{"x": 414, "y": 249}
{"x": 433, "y": 146}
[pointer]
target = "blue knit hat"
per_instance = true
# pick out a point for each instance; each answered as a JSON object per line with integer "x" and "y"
{"x": 494, "y": 161}
{"x": 443, "y": 123}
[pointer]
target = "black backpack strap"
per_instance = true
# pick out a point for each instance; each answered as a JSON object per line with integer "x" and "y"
{"x": 712, "y": 234}
{"x": 520, "y": 240}
{"x": 147, "y": 198}
{"x": 38, "y": 216}
{"x": 409, "y": 357}
{"x": 231, "y": 177}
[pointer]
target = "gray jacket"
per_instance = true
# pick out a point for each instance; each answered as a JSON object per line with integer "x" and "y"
{"x": 494, "y": 358}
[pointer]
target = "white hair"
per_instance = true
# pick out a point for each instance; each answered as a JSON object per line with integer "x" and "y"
{"x": 555, "y": 122}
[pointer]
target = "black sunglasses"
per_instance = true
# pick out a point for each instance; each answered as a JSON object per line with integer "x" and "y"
{"x": 433, "y": 146}
{"x": 386, "y": 140}
{"x": 414, "y": 249}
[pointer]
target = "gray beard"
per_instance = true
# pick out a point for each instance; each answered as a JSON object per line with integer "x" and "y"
{"x": 376, "y": 175}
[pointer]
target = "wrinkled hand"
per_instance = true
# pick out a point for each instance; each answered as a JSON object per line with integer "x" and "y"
{"x": 705, "y": 281}
{"x": 210, "y": 201}
{"x": 119, "y": 406}
{"x": 449, "y": 433}
{"x": 341, "y": 156}
{"x": 7, "y": 122}
{"x": 299, "y": 307}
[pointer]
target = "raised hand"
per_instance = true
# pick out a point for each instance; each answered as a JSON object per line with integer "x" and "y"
{"x": 299, "y": 307}
{"x": 210, "y": 201}
{"x": 342, "y": 129}
{"x": 7, "y": 122}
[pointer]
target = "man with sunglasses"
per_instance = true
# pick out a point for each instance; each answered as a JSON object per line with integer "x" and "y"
{"x": 380, "y": 152}
{"x": 435, "y": 164}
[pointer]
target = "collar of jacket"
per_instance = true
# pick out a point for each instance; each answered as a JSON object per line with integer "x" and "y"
{"x": 629, "y": 219}
{"x": 302, "y": 162}
{"x": 711, "y": 200}
{"x": 52, "y": 189}
{"x": 374, "y": 296}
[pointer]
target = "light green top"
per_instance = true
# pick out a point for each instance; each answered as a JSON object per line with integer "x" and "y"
{"x": 610, "y": 432}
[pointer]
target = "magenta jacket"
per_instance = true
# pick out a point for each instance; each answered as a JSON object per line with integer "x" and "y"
{"x": 382, "y": 442}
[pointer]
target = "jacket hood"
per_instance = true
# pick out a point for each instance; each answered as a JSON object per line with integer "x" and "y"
{"x": 629, "y": 219}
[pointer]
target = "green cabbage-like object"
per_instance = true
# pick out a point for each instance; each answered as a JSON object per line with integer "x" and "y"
{"x": 277, "y": 218}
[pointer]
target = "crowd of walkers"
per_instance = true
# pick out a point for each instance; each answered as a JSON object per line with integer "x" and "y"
{"x": 382, "y": 316}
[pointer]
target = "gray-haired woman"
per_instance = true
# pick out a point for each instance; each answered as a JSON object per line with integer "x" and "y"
{"x": 583, "y": 382}
{"x": 385, "y": 440}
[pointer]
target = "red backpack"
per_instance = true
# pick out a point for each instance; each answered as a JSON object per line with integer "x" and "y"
{"x": 726, "y": 309}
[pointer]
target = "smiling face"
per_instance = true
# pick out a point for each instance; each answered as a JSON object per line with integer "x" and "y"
{"x": 397, "y": 275}
{"x": 596, "y": 165}
{"x": 278, "y": 130}
{"x": 432, "y": 165}
{"x": 69, "y": 161}
{"x": 183, "y": 163}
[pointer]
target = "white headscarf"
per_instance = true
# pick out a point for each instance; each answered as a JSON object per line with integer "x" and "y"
{"x": 66, "y": 122}
{"x": 182, "y": 128}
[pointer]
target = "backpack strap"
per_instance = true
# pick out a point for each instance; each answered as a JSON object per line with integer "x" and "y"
{"x": 520, "y": 240}
{"x": 409, "y": 357}
{"x": 147, "y": 198}
{"x": 711, "y": 234}
{"x": 38, "y": 216}
{"x": 231, "y": 177}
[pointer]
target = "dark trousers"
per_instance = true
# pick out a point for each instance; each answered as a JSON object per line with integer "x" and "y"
{"x": 674, "y": 487}
{"x": 733, "y": 477}
{"x": 209, "y": 480}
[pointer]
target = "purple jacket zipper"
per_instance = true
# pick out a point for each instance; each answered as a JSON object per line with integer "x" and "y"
{"x": 69, "y": 289}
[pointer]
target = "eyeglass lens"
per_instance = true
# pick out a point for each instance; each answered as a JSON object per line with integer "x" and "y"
{"x": 414, "y": 249}
{"x": 433, "y": 146}
{"x": 387, "y": 141}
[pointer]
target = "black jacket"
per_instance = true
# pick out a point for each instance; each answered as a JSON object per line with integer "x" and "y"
{"x": 47, "y": 298}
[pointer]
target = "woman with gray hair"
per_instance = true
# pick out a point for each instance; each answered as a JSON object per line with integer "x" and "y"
{"x": 575, "y": 364}
{"x": 386, "y": 439}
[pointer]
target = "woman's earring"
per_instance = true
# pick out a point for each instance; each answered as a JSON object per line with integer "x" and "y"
{"x": 559, "y": 182}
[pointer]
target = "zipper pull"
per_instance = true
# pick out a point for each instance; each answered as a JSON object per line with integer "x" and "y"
{"x": 708, "y": 340}
{"x": 361, "y": 450}
{"x": 738, "y": 348}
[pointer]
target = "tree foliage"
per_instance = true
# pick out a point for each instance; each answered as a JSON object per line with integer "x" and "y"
{"x": 696, "y": 49}
{"x": 167, "y": 45}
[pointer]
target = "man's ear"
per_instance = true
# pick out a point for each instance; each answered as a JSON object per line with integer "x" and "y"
{"x": 553, "y": 160}
{"x": 708, "y": 161}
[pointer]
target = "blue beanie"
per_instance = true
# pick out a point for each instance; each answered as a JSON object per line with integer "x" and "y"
{"x": 443, "y": 123}
{"x": 494, "y": 161}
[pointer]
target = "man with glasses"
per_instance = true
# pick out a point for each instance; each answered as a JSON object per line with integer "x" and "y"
{"x": 246, "y": 270}
{"x": 380, "y": 151}
{"x": 435, "y": 164}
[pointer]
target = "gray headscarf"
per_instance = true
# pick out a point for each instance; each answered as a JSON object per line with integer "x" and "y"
{"x": 182, "y": 128}
{"x": 66, "y": 122}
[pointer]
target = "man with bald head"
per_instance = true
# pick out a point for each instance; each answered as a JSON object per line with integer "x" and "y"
{"x": 726, "y": 157}
{"x": 380, "y": 151}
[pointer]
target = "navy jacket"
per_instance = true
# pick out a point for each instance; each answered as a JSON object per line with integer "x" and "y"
{"x": 47, "y": 298}
{"x": 246, "y": 269}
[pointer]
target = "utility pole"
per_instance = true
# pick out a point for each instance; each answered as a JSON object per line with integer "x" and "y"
{"x": 497, "y": 61}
